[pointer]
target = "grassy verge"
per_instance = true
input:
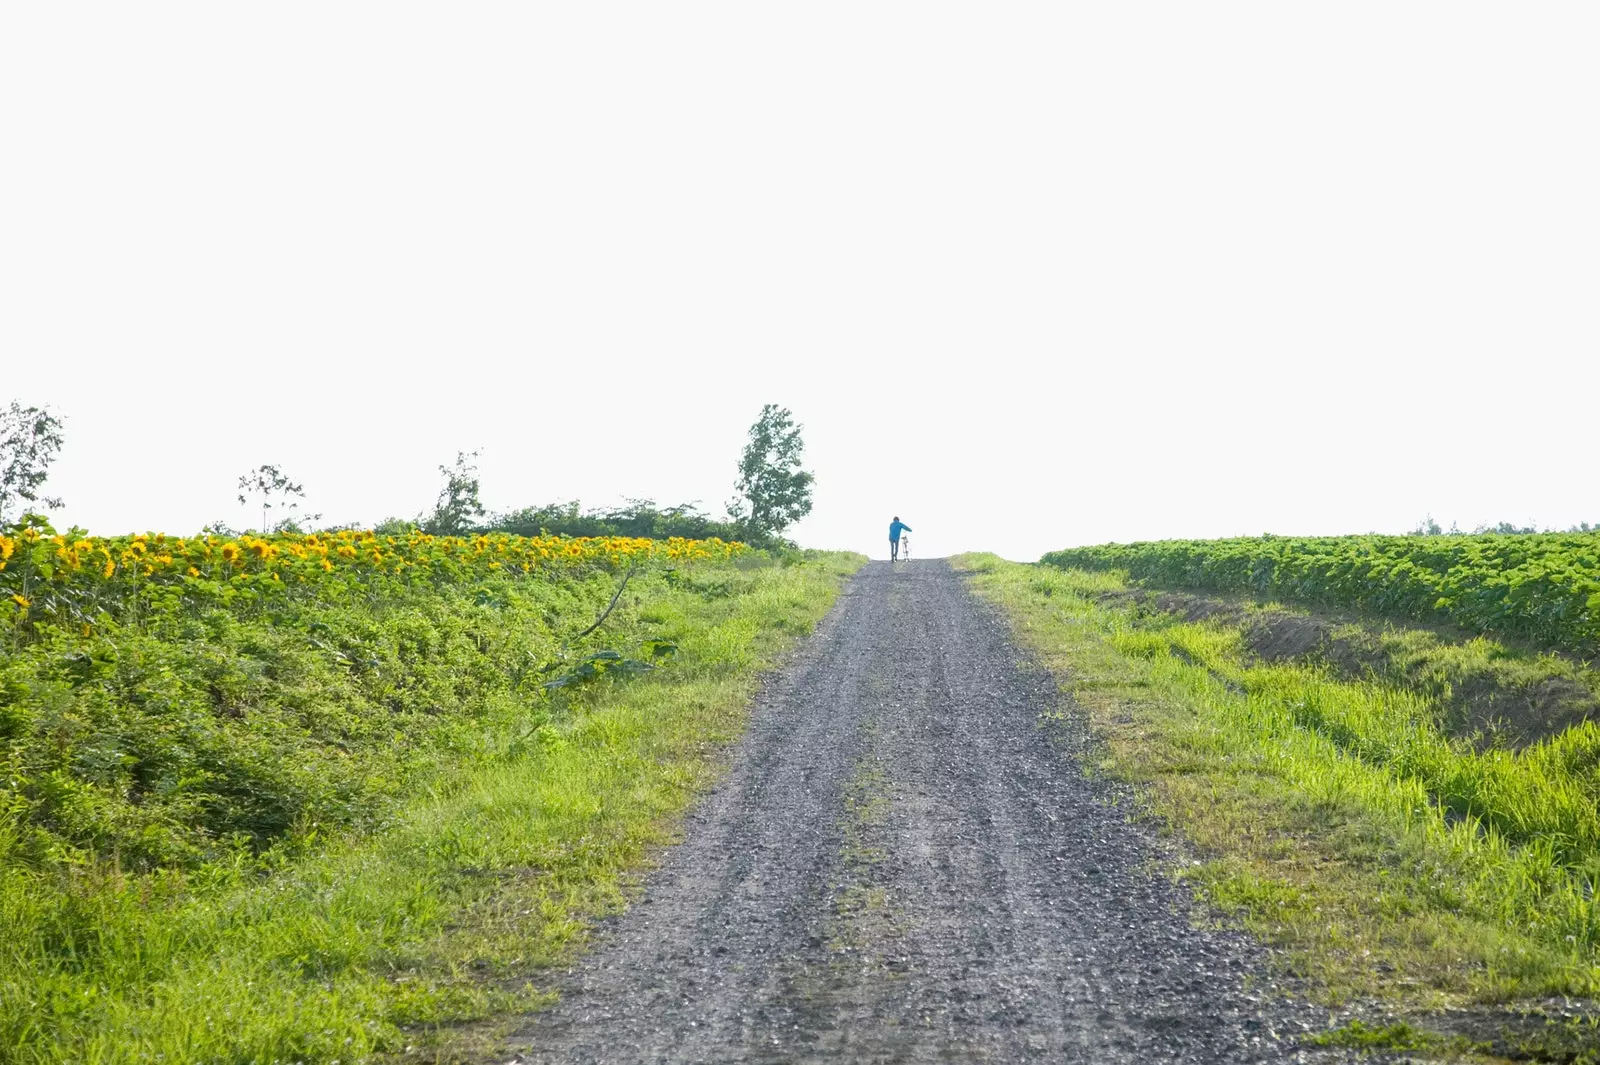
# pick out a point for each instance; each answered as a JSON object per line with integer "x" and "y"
{"x": 415, "y": 934}
{"x": 1487, "y": 690}
{"x": 1329, "y": 813}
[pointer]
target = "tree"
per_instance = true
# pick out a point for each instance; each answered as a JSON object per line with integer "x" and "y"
{"x": 392, "y": 526}
{"x": 273, "y": 488}
{"x": 1428, "y": 527}
{"x": 774, "y": 492}
{"x": 30, "y": 437}
{"x": 458, "y": 509}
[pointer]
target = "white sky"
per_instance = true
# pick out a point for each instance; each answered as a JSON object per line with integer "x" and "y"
{"x": 1030, "y": 275}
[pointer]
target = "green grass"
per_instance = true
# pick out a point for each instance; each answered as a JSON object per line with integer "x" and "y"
{"x": 1331, "y": 814}
{"x": 1360, "y": 1036}
{"x": 1488, "y": 691}
{"x": 419, "y": 930}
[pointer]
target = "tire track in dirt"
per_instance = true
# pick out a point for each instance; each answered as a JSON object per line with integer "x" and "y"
{"x": 905, "y": 863}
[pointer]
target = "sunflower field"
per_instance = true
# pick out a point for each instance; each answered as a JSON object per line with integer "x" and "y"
{"x": 48, "y": 578}
{"x": 166, "y": 702}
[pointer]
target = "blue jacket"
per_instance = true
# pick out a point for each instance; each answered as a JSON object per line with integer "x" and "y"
{"x": 897, "y": 527}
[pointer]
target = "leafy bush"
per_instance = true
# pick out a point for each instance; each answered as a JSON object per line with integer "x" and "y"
{"x": 636, "y": 517}
{"x": 1544, "y": 587}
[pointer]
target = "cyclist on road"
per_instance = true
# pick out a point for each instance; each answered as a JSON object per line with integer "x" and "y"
{"x": 896, "y": 527}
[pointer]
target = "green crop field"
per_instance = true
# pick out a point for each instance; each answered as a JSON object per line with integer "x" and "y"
{"x": 1544, "y": 588}
{"x": 321, "y": 797}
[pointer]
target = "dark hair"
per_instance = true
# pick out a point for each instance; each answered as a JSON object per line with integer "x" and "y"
{"x": 896, "y": 517}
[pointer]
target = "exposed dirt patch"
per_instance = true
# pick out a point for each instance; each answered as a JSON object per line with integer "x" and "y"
{"x": 1277, "y": 636}
{"x": 1558, "y": 1030}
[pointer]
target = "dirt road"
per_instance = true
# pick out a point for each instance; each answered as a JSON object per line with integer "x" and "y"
{"x": 906, "y": 863}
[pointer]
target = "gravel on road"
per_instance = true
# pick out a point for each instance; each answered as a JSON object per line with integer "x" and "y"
{"x": 905, "y": 863}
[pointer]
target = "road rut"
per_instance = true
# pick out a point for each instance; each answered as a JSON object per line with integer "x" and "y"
{"x": 906, "y": 863}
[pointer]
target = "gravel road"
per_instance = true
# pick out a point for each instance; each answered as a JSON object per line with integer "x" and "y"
{"x": 905, "y": 863}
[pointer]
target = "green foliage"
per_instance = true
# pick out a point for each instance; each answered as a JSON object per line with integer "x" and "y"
{"x": 1544, "y": 588}
{"x": 396, "y": 527}
{"x": 1429, "y": 527}
{"x": 227, "y": 728}
{"x": 458, "y": 509}
{"x": 171, "y": 701}
{"x": 611, "y": 664}
{"x": 774, "y": 492}
{"x": 84, "y": 582}
{"x": 1361, "y": 1036}
{"x": 636, "y": 517}
{"x": 30, "y": 437}
{"x": 414, "y": 907}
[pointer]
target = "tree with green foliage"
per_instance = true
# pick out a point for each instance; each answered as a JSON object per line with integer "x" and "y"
{"x": 459, "y": 509}
{"x": 393, "y": 526}
{"x": 1428, "y": 527}
{"x": 272, "y": 487}
{"x": 30, "y": 438}
{"x": 774, "y": 492}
